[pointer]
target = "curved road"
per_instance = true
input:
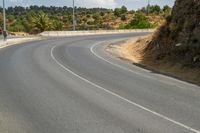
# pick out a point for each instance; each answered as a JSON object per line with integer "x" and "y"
{"x": 71, "y": 85}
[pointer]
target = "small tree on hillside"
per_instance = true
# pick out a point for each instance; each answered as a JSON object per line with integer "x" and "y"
{"x": 167, "y": 10}
{"x": 123, "y": 17}
{"x": 117, "y": 12}
{"x": 155, "y": 9}
{"x": 120, "y": 11}
{"x": 124, "y": 10}
{"x": 140, "y": 21}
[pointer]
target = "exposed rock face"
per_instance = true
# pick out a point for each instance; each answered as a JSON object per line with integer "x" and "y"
{"x": 179, "y": 39}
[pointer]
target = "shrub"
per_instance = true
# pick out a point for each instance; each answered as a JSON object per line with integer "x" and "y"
{"x": 140, "y": 21}
{"x": 119, "y": 11}
{"x": 123, "y": 17}
{"x": 124, "y": 9}
{"x": 57, "y": 25}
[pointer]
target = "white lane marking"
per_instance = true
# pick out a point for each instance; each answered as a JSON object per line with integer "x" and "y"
{"x": 140, "y": 74}
{"x": 124, "y": 68}
{"x": 122, "y": 98}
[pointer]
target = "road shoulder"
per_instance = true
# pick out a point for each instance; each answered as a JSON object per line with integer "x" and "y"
{"x": 15, "y": 41}
{"x": 131, "y": 50}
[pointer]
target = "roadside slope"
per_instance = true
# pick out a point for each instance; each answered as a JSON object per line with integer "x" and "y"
{"x": 175, "y": 48}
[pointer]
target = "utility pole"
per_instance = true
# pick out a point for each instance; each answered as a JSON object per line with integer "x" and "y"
{"x": 74, "y": 22}
{"x": 4, "y": 22}
{"x": 148, "y": 6}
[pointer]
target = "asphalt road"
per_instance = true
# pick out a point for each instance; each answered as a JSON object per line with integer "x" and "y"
{"x": 71, "y": 85}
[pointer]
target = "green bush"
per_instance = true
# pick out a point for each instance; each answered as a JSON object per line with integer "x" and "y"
{"x": 123, "y": 17}
{"x": 124, "y": 9}
{"x": 167, "y": 10}
{"x": 122, "y": 26}
{"x": 119, "y": 11}
{"x": 57, "y": 25}
{"x": 140, "y": 21}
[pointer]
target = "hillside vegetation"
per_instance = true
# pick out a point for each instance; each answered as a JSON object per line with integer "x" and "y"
{"x": 174, "y": 49}
{"x": 35, "y": 19}
{"x": 179, "y": 39}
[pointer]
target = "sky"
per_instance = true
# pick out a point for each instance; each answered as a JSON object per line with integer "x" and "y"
{"x": 131, "y": 4}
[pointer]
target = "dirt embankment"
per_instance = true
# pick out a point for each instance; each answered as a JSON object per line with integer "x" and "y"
{"x": 179, "y": 39}
{"x": 134, "y": 51}
{"x": 174, "y": 49}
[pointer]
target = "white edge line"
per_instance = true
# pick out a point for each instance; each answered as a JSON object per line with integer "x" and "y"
{"x": 122, "y": 98}
{"x": 92, "y": 50}
{"x": 127, "y": 69}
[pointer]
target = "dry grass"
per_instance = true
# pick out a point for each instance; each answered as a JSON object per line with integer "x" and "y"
{"x": 19, "y": 33}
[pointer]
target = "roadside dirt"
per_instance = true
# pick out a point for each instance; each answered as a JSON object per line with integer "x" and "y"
{"x": 133, "y": 50}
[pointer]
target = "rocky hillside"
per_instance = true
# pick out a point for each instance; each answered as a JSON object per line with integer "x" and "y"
{"x": 178, "y": 41}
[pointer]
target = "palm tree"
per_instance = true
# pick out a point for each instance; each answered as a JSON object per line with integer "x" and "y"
{"x": 41, "y": 21}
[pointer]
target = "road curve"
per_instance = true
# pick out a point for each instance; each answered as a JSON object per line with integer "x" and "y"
{"x": 71, "y": 85}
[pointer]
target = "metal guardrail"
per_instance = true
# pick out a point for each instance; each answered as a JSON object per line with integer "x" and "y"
{"x": 94, "y": 32}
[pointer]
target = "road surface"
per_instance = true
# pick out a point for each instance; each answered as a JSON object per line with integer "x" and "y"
{"x": 71, "y": 85}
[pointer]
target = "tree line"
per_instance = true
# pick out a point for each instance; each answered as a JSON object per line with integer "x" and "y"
{"x": 35, "y": 19}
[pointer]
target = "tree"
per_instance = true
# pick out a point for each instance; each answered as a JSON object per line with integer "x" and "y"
{"x": 57, "y": 25}
{"x": 124, "y": 10}
{"x": 27, "y": 26}
{"x": 155, "y": 9}
{"x": 123, "y": 17}
{"x": 167, "y": 10}
{"x": 17, "y": 26}
{"x": 96, "y": 16}
{"x": 41, "y": 21}
{"x": 102, "y": 14}
{"x": 117, "y": 12}
{"x": 140, "y": 21}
